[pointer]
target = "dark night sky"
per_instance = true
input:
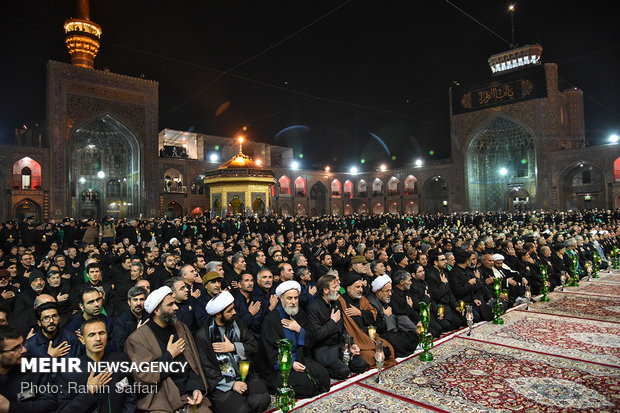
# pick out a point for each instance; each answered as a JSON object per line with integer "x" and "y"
{"x": 381, "y": 67}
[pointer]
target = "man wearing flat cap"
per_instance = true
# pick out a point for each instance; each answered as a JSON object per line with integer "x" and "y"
{"x": 212, "y": 282}
{"x": 358, "y": 316}
{"x": 360, "y": 267}
{"x": 222, "y": 343}
{"x": 163, "y": 339}
{"x": 287, "y": 321}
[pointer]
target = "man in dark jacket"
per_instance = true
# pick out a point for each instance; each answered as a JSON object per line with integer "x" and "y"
{"x": 132, "y": 319}
{"x": 106, "y": 391}
{"x": 223, "y": 342}
{"x": 12, "y": 380}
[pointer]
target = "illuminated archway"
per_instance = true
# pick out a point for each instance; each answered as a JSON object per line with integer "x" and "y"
{"x": 174, "y": 210}
{"x": 26, "y": 174}
{"x": 348, "y": 189}
{"x": 300, "y": 186}
{"x": 362, "y": 188}
{"x": 377, "y": 187}
{"x": 336, "y": 187}
{"x": 434, "y": 193}
{"x": 300, "y": 209}
{"x": 27, "y": 208}
{"x": 348, "y": 209}
{"x": 617, "y": 169}
{"x": 393, "y": 186}
{"x": 103, "y": 150}
{"x": 582, "y": 185}
{"x": 285, "y": 185}
{"x": 377, "y": 208}
{"x": 393, "y": 208}
{"x": 410, "y": 185}
{"x": 173, "y": 181}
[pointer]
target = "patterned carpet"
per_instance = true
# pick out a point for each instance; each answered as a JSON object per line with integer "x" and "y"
{"x": 581, "y": 306}
{"x": 471, "y": 376}
{"x": 359, "y": 399}
{"x": 561, "y": 356}
{"x": 588, "y": 340}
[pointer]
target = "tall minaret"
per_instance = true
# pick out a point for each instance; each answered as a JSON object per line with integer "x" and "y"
{"x": 82, "y": 37}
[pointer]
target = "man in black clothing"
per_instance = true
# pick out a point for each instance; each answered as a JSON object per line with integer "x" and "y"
{"x": 439, "y": 287}
{"x": 184, "y": 301}
{"x": 166, "y": 270}
{"x": 107, "y": 391}
{"x": 49, "y": 340}
{"x": 247, "y": 309}
{"x": 467, "y": 287}
{"x": 325, "y": 316}
{"x": 222, "y": 343}
{"x": 132, "y": 319}
{"x": 14, "y": 398}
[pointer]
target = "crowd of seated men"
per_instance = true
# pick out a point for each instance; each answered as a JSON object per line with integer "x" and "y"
{"x": 211, "y": 293}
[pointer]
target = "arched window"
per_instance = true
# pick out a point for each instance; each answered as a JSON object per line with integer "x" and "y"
{"x": 377, "y": 208}
{"x": 285, "y": 185}
{"x": 393, "y": 186}
{"x": 173, "y": 181}
{"x": 348, "y": 189}
{"x": 362, "y": 188}
{"x": 617, "y": 170}
{"x": 336, "y": 188}
{"x": 300, "y": 186}
{"x": 114, "y": 188}
{"x": 26, "y": 174}
{"x": 377, "y": 187}
{"x": 410, "y": 185}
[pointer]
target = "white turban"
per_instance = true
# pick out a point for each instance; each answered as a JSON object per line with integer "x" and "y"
{"x": 498, "y": 257}
{"x": 287, "y": 285}
{"x": 380, "y": 282}
{"x": 156, "y": 297}
{"x": 219, "y": 303}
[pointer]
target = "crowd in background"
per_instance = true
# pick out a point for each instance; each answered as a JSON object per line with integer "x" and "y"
{"x": 216, "y": 292}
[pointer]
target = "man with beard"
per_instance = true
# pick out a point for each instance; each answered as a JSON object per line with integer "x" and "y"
{"x": 259, "y": 262}
{"x": 163, "y": 339}
{"x": 193, "y": 280}
{"x": 467, "y": 287}
{"x": 14, "y": 398}
{"x": 419, "y": 291}
{"x": 107, "y": 391}
{"x": 358, "y": 315}
{"x": 358, "y": 266}
{"x": 60, "y": 290}
{"x": 222, "y": 343}
{"x": 307, "y": 377}
{"x": 25, "y": 301}
{"x": 184, "y": 302}
{"x": 231, "y": 277}
{"x": 48, "y": 341}
{"x": 491, "y": 268}
{"x": 248, "y": 310}
{"x": 213, "y": 287}
{"x": 265, "y": 292}
{"x": 325, "y": 316}
{"x": 404, "y": 342}
{"x": 93, "y": 272}
{"x": 164, "y": 272}
{"x": 91, "y": 304}
{"x": 439, "y": 287}
{"x": 199, "y": 263}
{"x": 132, "y": 319}
{"x": 8, "y": 293}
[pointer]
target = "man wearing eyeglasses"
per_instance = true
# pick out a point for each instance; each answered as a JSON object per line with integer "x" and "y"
{"x": 8, "y": 293}
{"x": 49, "y": 341}
{"x": 13, "y": 398}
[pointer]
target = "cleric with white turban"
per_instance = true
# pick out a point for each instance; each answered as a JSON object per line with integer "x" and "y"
{"x": 155, "y": 298}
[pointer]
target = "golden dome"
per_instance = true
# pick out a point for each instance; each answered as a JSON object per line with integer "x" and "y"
{"x": 240, "y": 161}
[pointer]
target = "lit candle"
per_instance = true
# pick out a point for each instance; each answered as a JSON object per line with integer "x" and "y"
{"x": 244, "y": 368}
{"x": 462, "y": 305}
{"x": 372, "y": 331}
{"x": 440, "y": 311}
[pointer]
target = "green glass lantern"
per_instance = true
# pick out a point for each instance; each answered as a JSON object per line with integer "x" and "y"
{"x": 545, "y": 287}
{"x": 497, "y": 306}
{"x": 285, "y": 396}
{"x": 426, "y": 338}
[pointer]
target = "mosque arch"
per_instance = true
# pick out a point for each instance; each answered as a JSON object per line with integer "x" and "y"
{"x": 377, "y": 208}
{"x": 617, "y": 201}
{"x": 103, "y": 149}
{"x": 348, "y": 189}
{"x": 393, "y": 186}
{"x": 27, "y": 208}
{"x": 362, "y": 188}
{"x": 336, "y": 188}
{"x": 174, "y": 210}
{"x": 285, "y": 185}
{"x": 500, "y": 151}
{"x": 335, "y": 209}
{"x": 300, "y": 209}
{"x": 582, "y": 185}
{"x": 362, "y": 209}
{"x": 258, "y": 206}
{"x": 377, "y": 187}
{"x": 393, "y": 208}
{"x": 285, "y": 210}
{"x": 26, "y": 174}
{"x": 318, "y": 199}
{"x": 411, "y": 208}
{"x": 300, "y": 186}
{"x": 517, "y": 199}
{"x": 173, "y": 180}
{"x": 434, "y": 193}
{"x": 617, "y": 169}
{"x": 348, "y": 209}
{"x": 410, "y": 185}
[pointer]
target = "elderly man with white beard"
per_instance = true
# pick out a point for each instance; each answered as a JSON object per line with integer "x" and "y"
{"x": 404, "y": 342}
{"x": 287, "y": 321}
